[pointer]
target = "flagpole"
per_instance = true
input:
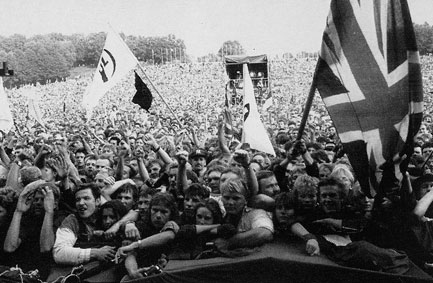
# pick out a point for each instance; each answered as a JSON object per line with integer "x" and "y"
{"x": 308, "y": 105}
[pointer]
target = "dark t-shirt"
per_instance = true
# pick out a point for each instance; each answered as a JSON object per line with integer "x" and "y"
{"x": 28, "y": 255}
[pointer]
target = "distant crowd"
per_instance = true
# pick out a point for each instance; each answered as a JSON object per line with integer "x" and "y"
{"x": 132, "y": 189}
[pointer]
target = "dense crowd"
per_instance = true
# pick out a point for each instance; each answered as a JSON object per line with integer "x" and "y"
{"x": 133, "y": 189}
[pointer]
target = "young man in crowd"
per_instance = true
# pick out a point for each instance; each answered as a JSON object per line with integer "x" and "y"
{"x": 75, "y": 243}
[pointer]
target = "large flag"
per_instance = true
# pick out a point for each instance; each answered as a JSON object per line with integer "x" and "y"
{"x": 6, "y": 120}
{"x": 253, "y": 132}
{"x": 369, "y": 78}
{"x": 115, "y": 62}
{"x": 143, "y": 96}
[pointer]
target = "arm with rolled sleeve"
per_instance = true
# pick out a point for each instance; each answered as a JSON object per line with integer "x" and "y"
{"x": 64, "y": 251}
{"x": 255, "y": 229}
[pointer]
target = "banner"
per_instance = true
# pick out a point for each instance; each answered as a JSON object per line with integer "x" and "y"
{"x": 253, "y": 132}
{"x": 6, "y": 120}
{"x": 114, "y": 64}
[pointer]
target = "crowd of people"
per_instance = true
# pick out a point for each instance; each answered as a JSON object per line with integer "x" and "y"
{"x": 135, "y": 189}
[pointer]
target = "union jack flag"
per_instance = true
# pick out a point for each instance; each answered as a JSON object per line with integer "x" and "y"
{"x": 369, "y": 78}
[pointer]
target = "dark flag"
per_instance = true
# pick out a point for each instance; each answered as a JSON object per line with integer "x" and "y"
{"x": 143, "y": 96}
{"x": 369, "y": 77}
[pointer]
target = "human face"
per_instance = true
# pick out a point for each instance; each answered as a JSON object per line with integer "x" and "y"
{"x": 90, "y": 166}
{"x": 102, "y": 164}
{"x": 269, "y": 186}
{"x": 307, "y": 198}
{"x": 139, "y": 143}
{"x": 228, "y": 175}
{"x": 198, "y": 163}
{"x": 107, "y": 150}
{"x": 159, "y": 215}
{"x": 59, "y": 139}
{"x": 234, "y": 203}
{"x": 143, "y": 204}
{"x": 99, "y": 181}
{"x": 127, "y": 199}
{"x": 426, "y": 152}
{"x": 203, "y": 216}
{"x": 422, "y": 129}
{"x": 330, "y": 199}
{"x": 172, "y": 176}
{"x": 126, "y": 171}
{"x": 38, "y": 203}
{"x": 213, "y": 181}
{"x": 79, "y": 158}
{"x": 154, "y": 170}
{"x": 132, "y": 142}
{"x": 48, "y": 174}
{"x": 86, "y": 203}
{"x": 284, "y": 214}
{"x": 259, "y": 159}
{"x": 190, "y": 203}
{"x": 108, "y": 218}
{"x": 342, "y": 177}
{"x": 425, "y": 188}
{"x": 417, "y": 151}
{"x": 324, "y": 172}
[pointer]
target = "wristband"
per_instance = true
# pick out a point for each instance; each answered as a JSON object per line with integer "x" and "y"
{"x": 156, "y": 149}
{"x": 129, "y": 221}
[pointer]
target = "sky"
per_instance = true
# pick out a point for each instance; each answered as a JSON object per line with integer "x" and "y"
{"x": 261, "y": 26}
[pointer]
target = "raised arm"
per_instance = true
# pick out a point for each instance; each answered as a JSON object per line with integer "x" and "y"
{"x": 150, "y": 140}
{"x": 47, "y": 236}
{"x": 423, "y": 204}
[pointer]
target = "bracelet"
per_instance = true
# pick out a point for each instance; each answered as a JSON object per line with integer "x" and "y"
{"x": 138, "y": 244}
{"x": 157, "y": 149}
{"x": 129, "y": 221}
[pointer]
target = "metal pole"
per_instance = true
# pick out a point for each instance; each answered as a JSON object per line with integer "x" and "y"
{"x": 308, "y": 105}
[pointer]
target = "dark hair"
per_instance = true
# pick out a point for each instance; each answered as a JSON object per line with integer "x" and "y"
{"x": 132, "y": 171}
{"x": 127, "y": 188}
{"x": 197, "y": 189}
{"x": 213, "y": 206}
{"x": 192, "y": 176}
{"x": 167, "y": 200}
{"x": 264, "y": 174}
{"x": 286, "y": 199}
{"x": 118, "y": 208}
{"x": 96, "y": 192}
{"x": 427, "y": 144}
{"x": 156, "y": 161}
{"x": 331, "y": 181}
{"x": 81, "y": 150}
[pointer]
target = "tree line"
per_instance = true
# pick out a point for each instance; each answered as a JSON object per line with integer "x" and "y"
{"x": 50, "y": 57}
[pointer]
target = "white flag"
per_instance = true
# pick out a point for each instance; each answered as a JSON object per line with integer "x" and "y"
{"x": 253, "y": 131}
{"x": 115, "y": 62}
{"x": 34, "y": 109}
{"x": 6, "y": 120}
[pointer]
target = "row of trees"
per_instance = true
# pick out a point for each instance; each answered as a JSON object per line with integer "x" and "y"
{"x": 43, "y": 58}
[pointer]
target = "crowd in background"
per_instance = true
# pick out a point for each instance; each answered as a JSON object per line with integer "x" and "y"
{"x": 141, "y": 187}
